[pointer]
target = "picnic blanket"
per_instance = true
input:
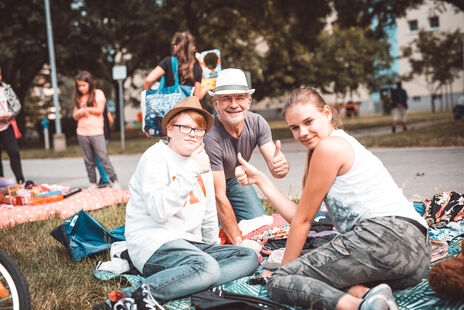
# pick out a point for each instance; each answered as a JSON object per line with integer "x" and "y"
{"x": 420, "y": 296}
{"x": 87, "y": 199}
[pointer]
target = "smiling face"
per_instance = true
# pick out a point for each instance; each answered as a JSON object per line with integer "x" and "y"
{"x": 309, "y": 124}
{"x": 231, "y": 108}
{"x": 181, "y": 143}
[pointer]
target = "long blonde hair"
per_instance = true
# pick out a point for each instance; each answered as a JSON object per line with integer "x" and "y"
{"x": 308, "y": 95}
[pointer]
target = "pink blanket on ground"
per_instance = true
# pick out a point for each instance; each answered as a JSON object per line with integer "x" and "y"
{"x": 87, "y": 199}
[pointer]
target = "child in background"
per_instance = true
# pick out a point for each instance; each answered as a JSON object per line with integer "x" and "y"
{"x": 89, "y": 104}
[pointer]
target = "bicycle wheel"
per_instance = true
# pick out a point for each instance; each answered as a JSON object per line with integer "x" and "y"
{"x": 14, "y": 293}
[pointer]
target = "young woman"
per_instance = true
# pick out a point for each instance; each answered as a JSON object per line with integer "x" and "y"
{"x": 89, "y": 104}
{"x": 9, "y": 108}
{"x": 383, "y": 238}
{"x": 190, "y": 73}
{"x": 171, "y": 220}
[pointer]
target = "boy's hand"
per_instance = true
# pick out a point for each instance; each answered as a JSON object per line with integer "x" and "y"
{"x": 201, "y": 158}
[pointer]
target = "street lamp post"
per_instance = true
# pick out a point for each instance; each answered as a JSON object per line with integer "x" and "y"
{"x": 59, "y": 139}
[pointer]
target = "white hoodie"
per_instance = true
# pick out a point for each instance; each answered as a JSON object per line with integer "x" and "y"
{"x": 169, "y": 199}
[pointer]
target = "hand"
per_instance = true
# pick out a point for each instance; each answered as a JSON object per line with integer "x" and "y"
{"x": 5, "y": 116}
{"x": 201, "y": 158}
{"x": 246, "y": 173}
{"x": 280, "y": 164}
{"x": 82, "y": 112}
{"x": 265, "y": 274}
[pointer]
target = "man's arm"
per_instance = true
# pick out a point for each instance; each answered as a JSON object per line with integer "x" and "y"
{"x": 225, "y": 212}
{"x": 275, "y": 159}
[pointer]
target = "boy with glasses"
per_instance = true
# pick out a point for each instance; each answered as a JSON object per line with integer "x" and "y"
{"x": 171, "y": 223}
{"x": 237, "y": 130}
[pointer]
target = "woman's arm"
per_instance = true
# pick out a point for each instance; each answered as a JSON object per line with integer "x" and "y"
{"x": 327, "y": 159}
{"x": 100, "y": 101}
{"x": 154, "y": 75}
{"x": 199, "y": 92}
{"x": 247, "y": 174}
{"x": 78, "y": 113}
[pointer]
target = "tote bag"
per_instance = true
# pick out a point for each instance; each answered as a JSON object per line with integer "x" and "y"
{"x": 156, "y": 103}
{"x": 82, "y": 236}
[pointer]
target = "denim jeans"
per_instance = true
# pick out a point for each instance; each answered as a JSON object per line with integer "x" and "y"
{"x": 384, "y": 249}
{"x": 244, "y": 200}
{"x": 180, "y": 268}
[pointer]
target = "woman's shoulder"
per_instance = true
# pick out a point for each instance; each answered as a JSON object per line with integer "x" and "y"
{"x": 332, "y": 147}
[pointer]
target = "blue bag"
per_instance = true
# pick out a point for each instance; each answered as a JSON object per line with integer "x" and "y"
{"x": 82, "y": 236}
{"x": 156, "y": 103}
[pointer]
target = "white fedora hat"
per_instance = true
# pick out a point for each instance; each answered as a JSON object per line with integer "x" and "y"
{"x": 231, "y": 81}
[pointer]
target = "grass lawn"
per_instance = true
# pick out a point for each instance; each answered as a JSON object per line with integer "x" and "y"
{"x": 54, "y": 281}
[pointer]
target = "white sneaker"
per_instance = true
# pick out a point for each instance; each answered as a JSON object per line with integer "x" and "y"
{"x": 92, "y": 186}
{"x": 116, "y": 185}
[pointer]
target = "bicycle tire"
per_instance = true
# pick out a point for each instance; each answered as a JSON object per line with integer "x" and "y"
{"x": 13, "y": 281}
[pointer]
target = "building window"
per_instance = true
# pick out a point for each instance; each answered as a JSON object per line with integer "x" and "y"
{"x": 434, "y": 22}
{"x": 413, "y": 26}
{"x": 416, "y": 98}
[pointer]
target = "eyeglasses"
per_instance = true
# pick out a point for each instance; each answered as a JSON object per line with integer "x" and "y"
{"x": 228, "y": 99}
{"x": 199, "y": 132}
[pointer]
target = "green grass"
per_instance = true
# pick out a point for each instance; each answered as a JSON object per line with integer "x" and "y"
{"x": 54, "y": 281}
{"x": 446, "y": 134}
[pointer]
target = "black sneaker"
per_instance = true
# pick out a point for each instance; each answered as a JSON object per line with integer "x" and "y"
{"x": 102, "y": 184}
{"x": 145, "y": 300}
{"x": 125, "y": 303}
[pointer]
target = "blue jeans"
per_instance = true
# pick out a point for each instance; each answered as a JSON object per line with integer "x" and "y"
{"x": 244, "y": 200}
{"x": 180, "y": 268}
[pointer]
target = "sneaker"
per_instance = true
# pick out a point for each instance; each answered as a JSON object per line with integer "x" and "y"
{"x": 374, "y": 302}
{"x": 116, "y": 185}
{"x": 125, "y": 304}
{"x": 102, "y": 184}
{"x": 381, "y": 289}
{"x": 144, "y": 299}
{"x": 92, "y": 186}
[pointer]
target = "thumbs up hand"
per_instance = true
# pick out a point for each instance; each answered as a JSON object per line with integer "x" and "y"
{"x": 280, "y": 164}
{"x": 246, "y": 173}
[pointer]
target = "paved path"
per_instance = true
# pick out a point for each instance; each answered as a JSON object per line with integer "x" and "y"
{"x": 421, "y": 172}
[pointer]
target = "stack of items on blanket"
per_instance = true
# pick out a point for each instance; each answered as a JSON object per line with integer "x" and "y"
{"x": 29, "y": 202}
{"x": 29, "y": 193}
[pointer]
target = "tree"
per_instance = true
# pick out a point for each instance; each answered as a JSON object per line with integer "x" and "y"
{"x": 347, "y": 59}
{"x": 437, "y": 56}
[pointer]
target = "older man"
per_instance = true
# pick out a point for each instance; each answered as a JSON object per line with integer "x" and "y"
{"x": 237, "y": 130}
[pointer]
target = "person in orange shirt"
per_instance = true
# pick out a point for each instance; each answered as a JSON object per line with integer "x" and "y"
{"x": 89, "y": 104}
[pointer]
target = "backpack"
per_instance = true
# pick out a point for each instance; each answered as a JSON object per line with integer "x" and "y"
{"x": 224, "y": 300}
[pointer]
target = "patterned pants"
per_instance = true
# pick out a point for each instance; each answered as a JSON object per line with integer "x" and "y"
{"x": 379, "y": 250}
